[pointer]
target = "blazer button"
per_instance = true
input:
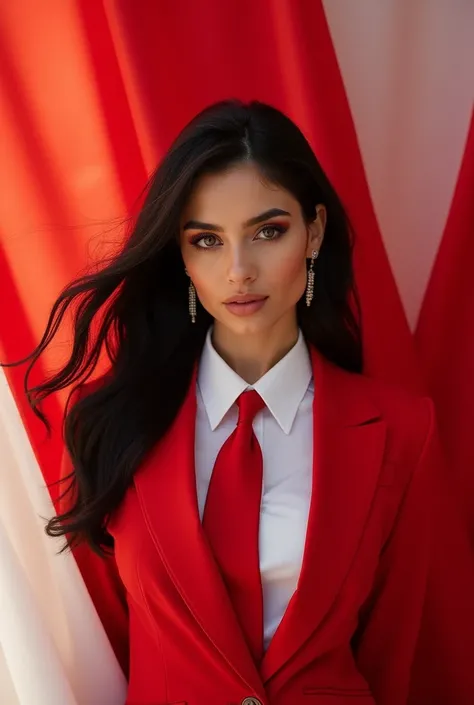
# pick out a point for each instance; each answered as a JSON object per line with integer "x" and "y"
{"x": 251, "y": 701}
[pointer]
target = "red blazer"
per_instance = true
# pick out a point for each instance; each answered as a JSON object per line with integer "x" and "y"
{"x": 351, "y": 633}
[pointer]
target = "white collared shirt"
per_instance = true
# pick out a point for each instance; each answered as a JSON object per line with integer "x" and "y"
{"x": 284, "y": 429}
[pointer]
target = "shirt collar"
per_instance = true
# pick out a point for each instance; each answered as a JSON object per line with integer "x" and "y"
{"x": 282, "y": 388}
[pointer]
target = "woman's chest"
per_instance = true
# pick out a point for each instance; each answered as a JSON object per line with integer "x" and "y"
{"x": 286, "y": 490}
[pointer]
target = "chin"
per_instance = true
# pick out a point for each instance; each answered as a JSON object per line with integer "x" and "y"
{"x": 253, "y": 325}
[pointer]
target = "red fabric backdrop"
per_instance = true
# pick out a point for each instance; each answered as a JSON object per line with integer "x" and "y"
{"x": 445, "y": 334}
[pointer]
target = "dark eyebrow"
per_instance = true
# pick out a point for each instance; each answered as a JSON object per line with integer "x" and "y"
{"x": 198, "y": 225}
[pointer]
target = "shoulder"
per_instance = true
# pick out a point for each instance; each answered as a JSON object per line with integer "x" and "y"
{"x": 409, "y": 416}
{"x": 398, "y": 404}
{"x": 401, "y": 407}
{"x": 410, "y": 419}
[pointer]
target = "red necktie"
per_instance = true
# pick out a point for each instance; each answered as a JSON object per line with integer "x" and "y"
{"x": 232, "y": 517}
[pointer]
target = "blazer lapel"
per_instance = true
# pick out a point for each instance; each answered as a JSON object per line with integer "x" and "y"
{"x": 166, "y": 488}
{"x": 348, "y": 441}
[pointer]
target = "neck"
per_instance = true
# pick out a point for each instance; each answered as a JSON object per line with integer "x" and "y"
{"x": 251, "y": 356}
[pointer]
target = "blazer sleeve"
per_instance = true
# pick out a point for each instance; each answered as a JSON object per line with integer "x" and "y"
{"x": 410, "y": 600}
{"x": 104, "y": 585}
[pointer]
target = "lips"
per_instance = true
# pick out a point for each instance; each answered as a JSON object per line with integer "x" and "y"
{"x": 245, "y": 305}
{"x": 245, "y": 299}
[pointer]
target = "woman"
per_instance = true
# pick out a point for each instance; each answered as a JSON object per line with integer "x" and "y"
{"x": 282, "y": 559}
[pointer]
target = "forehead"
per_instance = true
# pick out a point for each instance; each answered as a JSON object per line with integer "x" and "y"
{"x": 236, "y": 195}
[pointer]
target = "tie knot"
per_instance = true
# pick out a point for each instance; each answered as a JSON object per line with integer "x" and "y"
{"x": 249, "y": 403}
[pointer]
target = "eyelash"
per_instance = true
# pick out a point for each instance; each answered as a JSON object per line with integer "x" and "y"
{"x": 279, "y": 230}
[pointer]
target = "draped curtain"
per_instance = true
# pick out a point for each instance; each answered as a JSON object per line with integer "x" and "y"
{"x": 92, "y": 92}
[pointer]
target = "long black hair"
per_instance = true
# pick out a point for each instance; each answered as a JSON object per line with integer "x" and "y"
{"x": 135, "y": 307}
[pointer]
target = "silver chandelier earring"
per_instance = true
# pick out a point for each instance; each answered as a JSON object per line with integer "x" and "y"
{"x": 191, "y": 299}
{"x": 310, "y": 284}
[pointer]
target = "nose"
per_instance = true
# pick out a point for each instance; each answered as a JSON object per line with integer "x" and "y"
{"x": 241, "y": 268}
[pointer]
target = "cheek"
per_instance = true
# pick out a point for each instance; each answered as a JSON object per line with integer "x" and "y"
{"x": 205, "y": 277}
{"x": 289, "y": 272}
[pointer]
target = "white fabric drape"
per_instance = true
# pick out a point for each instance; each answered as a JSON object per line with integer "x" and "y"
{"x": 407, "y": 67}
{"x": 53, "y": 649}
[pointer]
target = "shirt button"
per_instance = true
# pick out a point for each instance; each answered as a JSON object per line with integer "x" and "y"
{"x": 251, "y": 701}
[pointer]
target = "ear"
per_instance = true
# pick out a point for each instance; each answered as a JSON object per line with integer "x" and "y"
{"x": 316, "y": 230}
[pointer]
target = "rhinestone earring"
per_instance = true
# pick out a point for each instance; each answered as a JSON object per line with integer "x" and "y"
{"x": 191, "y": 299}
{"x": 310, "y": 284}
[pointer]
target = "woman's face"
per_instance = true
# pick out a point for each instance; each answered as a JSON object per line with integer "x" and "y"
{"x": 244, "y": 244}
